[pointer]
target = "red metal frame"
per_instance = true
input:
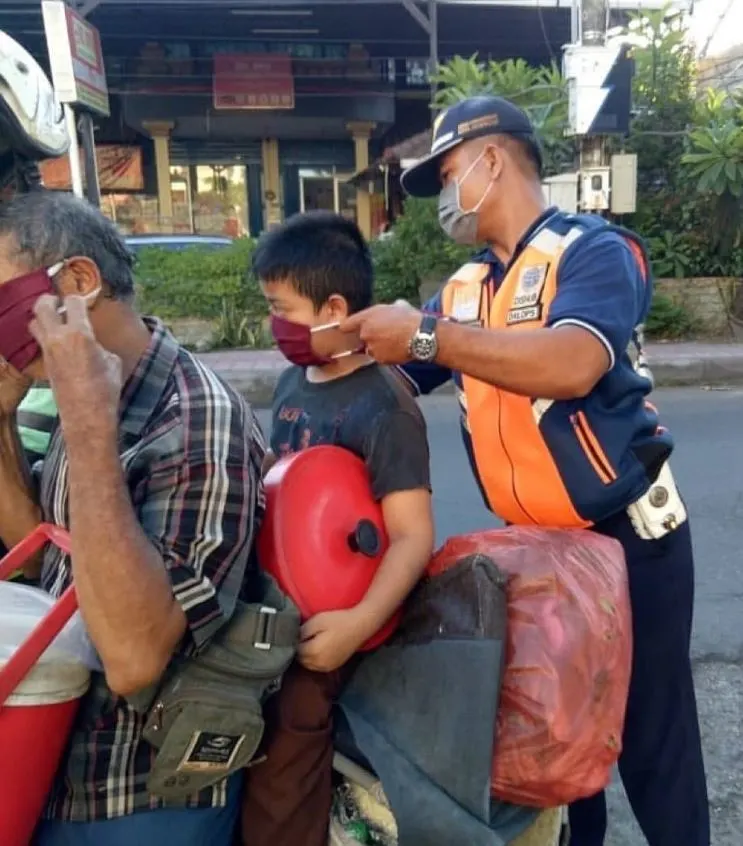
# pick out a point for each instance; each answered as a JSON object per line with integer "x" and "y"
{"x": 29, "y": 652}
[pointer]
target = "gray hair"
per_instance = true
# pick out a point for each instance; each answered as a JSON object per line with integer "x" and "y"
{"x": 48, "y": 226}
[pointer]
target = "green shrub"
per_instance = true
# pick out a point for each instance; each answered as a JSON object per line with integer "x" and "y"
{"x": 235, "y": 330}
{"x": 218, "y": 285}
{"x": 418, "y": 251}
{"x": 668, "y": 320}
{"x": 198, "y": 282}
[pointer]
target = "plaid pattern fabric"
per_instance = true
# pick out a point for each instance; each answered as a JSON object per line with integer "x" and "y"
{"x": 191, "y": 451}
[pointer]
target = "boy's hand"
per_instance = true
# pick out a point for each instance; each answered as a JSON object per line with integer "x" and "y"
{"x": 331, "y": 638}
{"x": 13, "y": 388}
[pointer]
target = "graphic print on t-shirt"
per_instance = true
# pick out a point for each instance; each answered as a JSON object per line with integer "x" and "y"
{"x": 367, "y": 412}
{"x": 296, "y": 429}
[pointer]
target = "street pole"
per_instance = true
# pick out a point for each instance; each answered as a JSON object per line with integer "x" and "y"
{"x": 92, "y": 183}
{"x": 74, "y": 152}
{"x": 592, "y": 20}
{"x": 433, "y": 39}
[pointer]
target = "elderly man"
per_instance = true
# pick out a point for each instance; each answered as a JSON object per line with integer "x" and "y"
{"x": 155, "y": 469}
{"x": 539, "y": 333}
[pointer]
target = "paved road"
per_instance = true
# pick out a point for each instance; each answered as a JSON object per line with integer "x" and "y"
{"x": 708, "y": 426}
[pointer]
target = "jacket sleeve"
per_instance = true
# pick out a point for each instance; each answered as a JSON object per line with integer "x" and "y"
{"x": 601, "y": 288}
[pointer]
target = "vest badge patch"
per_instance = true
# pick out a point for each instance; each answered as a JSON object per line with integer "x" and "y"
{"x": 527, "y": 306}
{"x": 524, "y": 315}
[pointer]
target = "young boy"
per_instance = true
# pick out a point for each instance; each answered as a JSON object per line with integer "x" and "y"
{"x": 315, "y": 270}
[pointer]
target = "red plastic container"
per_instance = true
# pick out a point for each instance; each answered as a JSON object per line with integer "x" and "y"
{"x": 323, "y": 536}
{"x": 38, "y": 701}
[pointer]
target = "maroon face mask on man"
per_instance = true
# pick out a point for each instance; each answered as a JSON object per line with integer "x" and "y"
{"x": 17, "y": 298}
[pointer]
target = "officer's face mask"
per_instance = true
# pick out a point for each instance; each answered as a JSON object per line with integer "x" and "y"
{"x": 461, "y": 225}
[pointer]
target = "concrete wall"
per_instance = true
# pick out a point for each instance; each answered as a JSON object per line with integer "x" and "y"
{"x": 707, "y": 300}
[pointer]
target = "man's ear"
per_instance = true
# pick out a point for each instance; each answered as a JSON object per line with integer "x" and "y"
{"x": 493, "y": 155}
{"x": 337, "y": 307}
{"x": 78, "y": 277}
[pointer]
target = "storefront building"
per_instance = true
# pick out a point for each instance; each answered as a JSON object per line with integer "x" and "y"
{"x": 229, "y": 115}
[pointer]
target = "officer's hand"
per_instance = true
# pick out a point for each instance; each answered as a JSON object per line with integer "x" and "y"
{"x": 386, "y": 331}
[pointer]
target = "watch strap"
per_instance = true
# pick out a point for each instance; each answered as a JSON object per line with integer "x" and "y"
{"x": 428, "y": 324}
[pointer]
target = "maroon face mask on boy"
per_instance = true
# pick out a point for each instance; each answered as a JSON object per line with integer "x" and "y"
{"x": 294, "y": 341}
{"x": 17, "y": 298}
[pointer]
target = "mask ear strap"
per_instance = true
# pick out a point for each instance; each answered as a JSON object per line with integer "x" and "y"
{"x": 324, "y": 327}
{"x": 52, "y": 271}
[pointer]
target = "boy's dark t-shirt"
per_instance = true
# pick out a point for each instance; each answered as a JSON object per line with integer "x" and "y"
{"x": 367, "y": 412}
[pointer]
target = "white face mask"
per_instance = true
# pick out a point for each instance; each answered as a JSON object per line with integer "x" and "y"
{"x": 460, "y": 225}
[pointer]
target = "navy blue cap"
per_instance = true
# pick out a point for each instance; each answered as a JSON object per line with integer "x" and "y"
{"x": 471, "y": 118}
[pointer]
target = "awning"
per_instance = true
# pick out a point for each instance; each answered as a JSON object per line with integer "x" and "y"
{"x": 406, "y": 153}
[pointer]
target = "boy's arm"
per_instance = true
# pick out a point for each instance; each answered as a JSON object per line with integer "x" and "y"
{"x": 269, "y": 459}
{"x": 408, "y": 518}
{"x": 398, "y": 461}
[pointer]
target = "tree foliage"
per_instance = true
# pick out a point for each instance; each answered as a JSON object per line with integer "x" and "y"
{"x": 689, "y": 143}
{"x": 540, "y": 91}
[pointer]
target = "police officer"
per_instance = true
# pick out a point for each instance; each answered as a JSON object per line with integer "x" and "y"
{"x": 539, "y": 334}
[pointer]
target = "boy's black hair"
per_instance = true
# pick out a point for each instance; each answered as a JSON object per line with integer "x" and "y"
{"x": 320, "y": 254}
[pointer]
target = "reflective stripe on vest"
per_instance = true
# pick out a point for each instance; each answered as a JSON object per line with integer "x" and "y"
{"x": 521, "y": 480}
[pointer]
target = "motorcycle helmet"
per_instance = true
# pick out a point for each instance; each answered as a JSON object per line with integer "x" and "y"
{"x": 32, "y": 125}
{"x": 31, "y": 120}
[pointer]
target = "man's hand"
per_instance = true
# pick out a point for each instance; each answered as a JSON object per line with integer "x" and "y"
{"x": 386, "y": 331}
{"x": 13, "y": 388}
{"x": 85, "y": 378}
{"x": 331, "y": 638}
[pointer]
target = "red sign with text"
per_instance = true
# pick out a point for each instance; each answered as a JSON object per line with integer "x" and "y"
{"x": 255, "y": 81}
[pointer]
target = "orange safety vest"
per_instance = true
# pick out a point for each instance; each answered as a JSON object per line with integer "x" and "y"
{"x": 517, "y": 471}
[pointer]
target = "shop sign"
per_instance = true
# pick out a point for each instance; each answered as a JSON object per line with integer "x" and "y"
{"x": 75, "y": 57}
{"x": 253, "y": 81}
{"x": 119, "y": 169}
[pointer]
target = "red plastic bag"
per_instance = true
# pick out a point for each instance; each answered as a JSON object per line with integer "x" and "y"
{"x": 568, "y": 660}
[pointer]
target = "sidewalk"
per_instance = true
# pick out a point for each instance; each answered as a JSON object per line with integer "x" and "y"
{"x": 255, "y": 372}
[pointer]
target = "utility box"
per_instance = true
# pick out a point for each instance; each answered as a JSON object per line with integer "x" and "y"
{"x": 562, "y": 191}
{"x": 599, "y": 80}
{"x": 594, "y": 189}
{"x": 624, "y": 183}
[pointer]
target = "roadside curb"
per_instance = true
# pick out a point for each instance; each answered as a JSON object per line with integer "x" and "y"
{"x": 713, "y": 371}
{"x": 255, "y": 374}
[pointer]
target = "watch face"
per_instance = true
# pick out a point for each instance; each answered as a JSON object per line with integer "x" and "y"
{"x": 424, "y": 347}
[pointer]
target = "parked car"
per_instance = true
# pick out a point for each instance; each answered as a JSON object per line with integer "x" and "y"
{"x": 177, "y": 242}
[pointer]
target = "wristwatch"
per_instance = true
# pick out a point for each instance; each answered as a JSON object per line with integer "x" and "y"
{"x": 423, "y": 345}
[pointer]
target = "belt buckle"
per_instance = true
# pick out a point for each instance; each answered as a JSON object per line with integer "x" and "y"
{"x": 265, "y": 628}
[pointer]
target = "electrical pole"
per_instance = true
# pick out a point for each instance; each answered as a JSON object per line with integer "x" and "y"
{"x": 593, "y": 22}
{"x": 599, "y": 79}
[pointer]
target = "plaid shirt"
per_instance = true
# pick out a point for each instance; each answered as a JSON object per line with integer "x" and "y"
{"x": 191, "y": 451}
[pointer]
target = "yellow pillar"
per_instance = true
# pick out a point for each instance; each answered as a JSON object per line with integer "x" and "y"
{"x": 160, "y": 131}
{"x": 272, "y": 209}
{"x": 361, "y": 132}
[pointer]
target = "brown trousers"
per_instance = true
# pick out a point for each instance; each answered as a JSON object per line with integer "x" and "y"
{"x": 288, "y": 796}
